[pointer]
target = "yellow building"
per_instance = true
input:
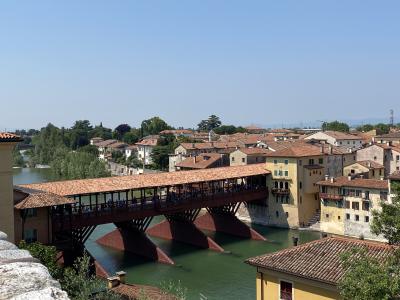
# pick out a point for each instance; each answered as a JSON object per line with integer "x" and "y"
{"x": 7, "y": 143}
{"x": 347, "y": 202}
{"x": 295, "y": 171}
{"x": 307, "y": 272}
{"x": 370, "y": 169}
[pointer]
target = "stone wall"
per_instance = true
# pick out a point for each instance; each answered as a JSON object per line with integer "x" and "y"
{"x": 22, "y": 277}
{"x": 253, "y": 213}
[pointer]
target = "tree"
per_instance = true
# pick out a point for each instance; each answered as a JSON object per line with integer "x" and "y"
{"x": 366, "y": 278}
{"x": 387, "y": 221}
{"x": 131, "y": 137}
{"x": 383, "y": 128}
{"x": 154, "y": 126}
{"x": 121, "y": 130}
{"x": 212, "y": 122}
{"x": 365, "y": 128}
{"x": 335, "y": 126}
{"x": 79, "y": 134}
{"x": 18, "y": 160}
{"x": 47, "y": 255}
{"x": 102, "y": 132}
{"x": 228, "y": 129}
{"x": 81, "y": 285}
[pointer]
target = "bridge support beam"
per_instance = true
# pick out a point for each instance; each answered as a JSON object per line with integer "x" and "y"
{"x": 223, "y": 219}
{"x": 131, "y": 237}
{"x": 180, "y": 227}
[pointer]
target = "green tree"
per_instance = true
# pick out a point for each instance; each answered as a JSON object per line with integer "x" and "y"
{"x": 18, "y": 160}
{"x": 212, "y": 122}
{"x": 367, "y": 278}
{"x": 100, "y": 131}
{"x": 154, "y": 126}
{"x": 365, "y": 128}
{"x": 131, "y": 137}
{"x": 79, "y": 134}
{"x": 121, "y": 130}
{"x": 383, "y": 128}
{"x": 81, "y": 285}
{"x": 47, "y": 255}
{"x": 335, "y": 126}
{"x": 387, "y": 221}
{"x": 228, "y": 129}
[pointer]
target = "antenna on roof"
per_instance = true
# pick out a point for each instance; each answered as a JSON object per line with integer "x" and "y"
{"x": 391, "y": 122}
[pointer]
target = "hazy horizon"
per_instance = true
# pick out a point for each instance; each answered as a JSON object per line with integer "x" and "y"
{"x": 253, "y": 62}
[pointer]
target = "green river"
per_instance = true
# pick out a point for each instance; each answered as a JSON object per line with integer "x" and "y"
{"x": 206, "y": 274}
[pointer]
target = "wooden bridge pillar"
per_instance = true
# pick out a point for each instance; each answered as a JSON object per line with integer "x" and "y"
{"x": 179, "y": 227}
{"x": 130, "y": 236}
{"x": 223, "y": 219}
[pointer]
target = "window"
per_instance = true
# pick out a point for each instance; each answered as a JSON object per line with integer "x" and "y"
{"x": 277, "y": 214}
{"x": 30, "y": 235}
{"x": 347, "y": 204}
{"x": 233, "y": 159}
{"x": 373, "y": 172}
{"x": 276, "y": 184}
{"x": 311, "y": 161}
{"x": 301, "y": 200}
{"x": 286, "y": 291}
{"x": 286, "y": 161}
{"x": 327, "y": 216}
{"x": 275, "y": 173}
{"x": 397, "y": 157}
{"x": 383, "y": 195}
{"x": 287, "y": 214}
{"x": 286, "y": 173}
{"x": 243, "y": 159}
{"x": 280, "y": 172}
{"x": 366, "y": 219}
{"x": 286, "y": 185}
{"x": 347, "y": 216}
{"x": 321, "y": 161}
{"x": 300, "y": 162}
{"x": 300, "y": 185}
{"x": 365, "y": 205}
{"x": 374, "y": 157}
{"x": 31, "y": 212}
{"x": 357, "y": 218}
{"x": 358, "y": 193}
{"x": 366, "y": 195}
{"x": 355, "y": 205}
{"x": 338, "y": 217}
{"x": 275, "y": 162}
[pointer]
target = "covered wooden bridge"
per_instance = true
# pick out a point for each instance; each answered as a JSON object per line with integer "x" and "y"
{"x": 130, "y": 202}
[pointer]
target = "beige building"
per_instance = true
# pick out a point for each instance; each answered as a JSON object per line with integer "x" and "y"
{"x": 386, "y": 154}
{"x": 347, "y": 202}
{"x": 247, "y": 156}
{"x": 7, "y": 143}
{"x": 368, "y": 168}
{"x": 295, "y": 171}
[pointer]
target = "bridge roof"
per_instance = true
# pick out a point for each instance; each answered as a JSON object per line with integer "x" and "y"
{"x": 121, "y": 183}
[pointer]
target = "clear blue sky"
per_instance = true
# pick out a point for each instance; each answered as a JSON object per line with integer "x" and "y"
{"x": 250, "y": 62}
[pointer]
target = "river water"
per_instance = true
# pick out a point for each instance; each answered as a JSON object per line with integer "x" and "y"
{"x": 205, "y": 273}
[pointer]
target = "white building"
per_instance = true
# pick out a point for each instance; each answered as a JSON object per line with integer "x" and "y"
{"x": 337, "y": 138}
{"x": 145, "y": 148}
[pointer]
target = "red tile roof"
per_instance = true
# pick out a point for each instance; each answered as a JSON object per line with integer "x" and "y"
{"x": 9, "y": 137}
{"x": 121, "y": 183}
{"x": 202, "y": 161}
{"x": 342, "y": 135}
{"x": 318, "y": 260}
{"x": 395, "y": 175}
{"x": 370, "y": 164}
{"x": 255, "y": 151}
{"x": 344, "y": 181}
{"x": 36, "y": 198}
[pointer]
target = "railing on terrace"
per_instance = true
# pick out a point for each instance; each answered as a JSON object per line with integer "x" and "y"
{"x": 331, "y": 196}
{"x": 282, "y": 191}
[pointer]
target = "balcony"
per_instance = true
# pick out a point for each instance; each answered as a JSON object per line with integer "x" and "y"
{"x": 278, "y": 191}
{"x": 334, "y": 197}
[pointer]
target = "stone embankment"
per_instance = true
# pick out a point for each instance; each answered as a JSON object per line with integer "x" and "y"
{"x": 22, "y": 277}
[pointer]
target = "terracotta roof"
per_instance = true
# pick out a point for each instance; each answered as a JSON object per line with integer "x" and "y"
{"x": 344, "y": 181}
{"x": 395, "y": 175}
{"x": 391, "y": 135}
{"x": 342, "y": 135}
{"x": 136, "y": 291}
{"x": 202, "y": 161}
{"x": 9, "y": 137}
{"x": 318, "y": 260}
{"x": 106, "y": 143}
{"x": 177, "y": 131}
{"x": 370, "y": 164}
{"x": 148, "y": 142}
{"x": 121, "y": 183}
{"x": 255, "y": 151}
{"x": 36, "y": 198}
{"x": 210, "y": 145}
{"x": 118, "y": 145}
{"x": 299, "y": 149}
{"x": 131, "y": 147}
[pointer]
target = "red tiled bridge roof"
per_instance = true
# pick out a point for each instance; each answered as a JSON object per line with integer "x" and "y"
{"x": 121, "y": 183}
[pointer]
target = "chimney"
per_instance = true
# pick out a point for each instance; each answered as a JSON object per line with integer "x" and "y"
{"x": 369, "y": 164}
{"x": 349, "y": 177}
{"x": 381, "y": 177}
{"x": 326, "y": 177}
{"x": 295, "y": 240}
{"x": 330, "y": 149}
{"x": 362, "y": 176}
{"x": 332, "y": 179}
{"x": 121, "y": 276}
{"x": 322, "y": 148}
{"x": 388, "y": 143}
{"x": 194, "y": 159}
{"x": 113, "y": 282}
{"x": 324, "y": 235}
